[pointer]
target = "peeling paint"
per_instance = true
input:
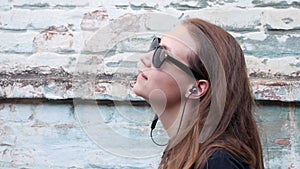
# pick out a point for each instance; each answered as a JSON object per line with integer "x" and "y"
{"x": 287, "y": 20}
{"x": 64, "y": 126}
{"x": 54, "y": 39}
{"x": 284, "y": 142}
{"x": 12, "y": 108}
{"x": 94, "y": 20}
{"x": 59, "y": 84}
{"x": 275, "y": 90}
{"x": 100, "y": 89}
{"x": 39, "y": 124}
{"x": 2, "y": 106}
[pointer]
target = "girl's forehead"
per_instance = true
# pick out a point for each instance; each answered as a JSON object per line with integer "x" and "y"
{"x": 181, "y": 35}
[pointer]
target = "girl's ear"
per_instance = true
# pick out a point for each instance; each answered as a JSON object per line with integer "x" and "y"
{"x": 198, "y": 90}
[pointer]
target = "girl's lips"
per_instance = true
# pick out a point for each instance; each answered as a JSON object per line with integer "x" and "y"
{"x": 144, "y": 76}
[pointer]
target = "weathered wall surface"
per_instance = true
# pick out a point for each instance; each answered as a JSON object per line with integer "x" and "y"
{"x": 67, "y": 67}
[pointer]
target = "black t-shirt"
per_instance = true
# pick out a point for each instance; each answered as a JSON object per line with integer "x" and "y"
{"x": 222, "y": 159}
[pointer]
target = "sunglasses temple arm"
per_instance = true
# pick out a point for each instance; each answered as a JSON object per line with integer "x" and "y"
{"x": 184, "y": 68}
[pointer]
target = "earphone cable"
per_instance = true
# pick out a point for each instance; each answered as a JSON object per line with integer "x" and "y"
{"x": 155, "y": 121}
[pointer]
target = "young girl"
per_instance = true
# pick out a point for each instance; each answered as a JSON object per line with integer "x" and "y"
{"x": 195, "y": 79}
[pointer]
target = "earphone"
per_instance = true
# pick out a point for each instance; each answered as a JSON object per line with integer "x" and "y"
{"x": 193, "y": 90}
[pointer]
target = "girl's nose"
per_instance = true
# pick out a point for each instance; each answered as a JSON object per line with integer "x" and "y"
{"x": 146, "y": 59}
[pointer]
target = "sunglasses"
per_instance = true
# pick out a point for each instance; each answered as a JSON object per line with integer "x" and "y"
{"x": 160, "y": 56}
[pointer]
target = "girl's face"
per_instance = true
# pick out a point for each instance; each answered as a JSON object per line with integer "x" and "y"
{"x": 167, "y": 84}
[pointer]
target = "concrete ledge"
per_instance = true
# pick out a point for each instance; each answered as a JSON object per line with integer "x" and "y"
{"x": 108, "y": 89}
{"x": 111, "y": 78}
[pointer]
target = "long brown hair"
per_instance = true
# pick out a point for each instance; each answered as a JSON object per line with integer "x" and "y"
{"x": 237, "y": 131}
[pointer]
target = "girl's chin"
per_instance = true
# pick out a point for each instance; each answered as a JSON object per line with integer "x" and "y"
{"x": 139, "y": 92}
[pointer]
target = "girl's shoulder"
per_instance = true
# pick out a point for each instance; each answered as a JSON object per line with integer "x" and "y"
{"x": 222, "y": 159}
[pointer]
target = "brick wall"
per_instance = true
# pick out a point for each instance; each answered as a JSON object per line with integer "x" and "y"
{"x": 67, "y": 68}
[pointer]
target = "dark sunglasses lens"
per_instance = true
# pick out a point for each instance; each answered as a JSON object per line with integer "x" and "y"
{"x": 158, "y": 57}
{"x": 154, "y": 44}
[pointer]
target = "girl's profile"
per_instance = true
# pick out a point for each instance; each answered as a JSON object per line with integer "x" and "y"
{"x": 195, "y": 79}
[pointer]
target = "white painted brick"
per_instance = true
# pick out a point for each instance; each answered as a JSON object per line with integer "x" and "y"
{"x": 50, "y": 3}
{"x": 157, "y": 22}
{"x": 113, "y": 11}
{"x": 116, "y": 63}
{"x": 257, "y": 36}
{"x": 283, "y": 66}
{"x": 15, "y": 19}
{"x": 19, "y": 42}
{"x": 144, "y": 3}
{"x": 54, "y": 39}
{"x": 157, "y": 4}
{"x": 78, "y": 41}
{"x": 230, "y": 18}
{"x": 233, "y": 3}
{"x": 55, "y": 3}
{"x": 129, "y": 25}
{"x": 44, "y": 60}
{"x": 41, "y": 19}
{"x": 272, "y": 3}
{"x": 95, "y": 19}
{"x": 272, "y": 45}
{"x": 286, "y": 19}
{"x": 109, "y": 35}
{"x": 4, "y": 5}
